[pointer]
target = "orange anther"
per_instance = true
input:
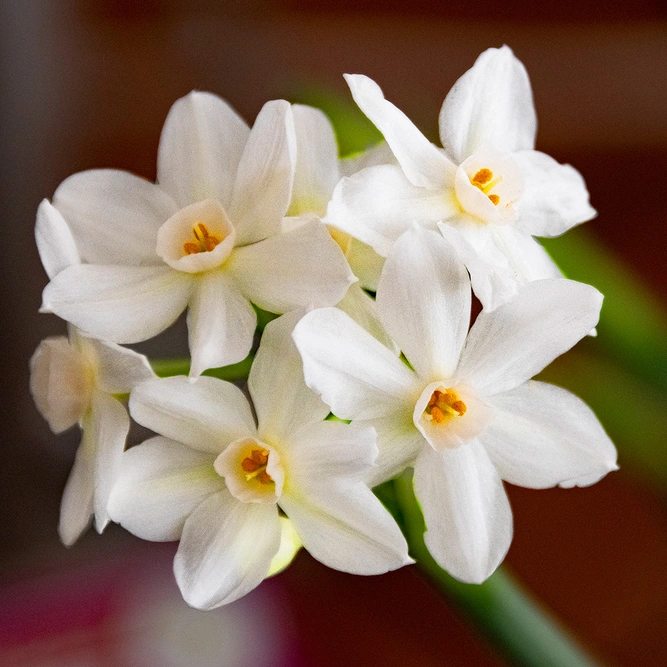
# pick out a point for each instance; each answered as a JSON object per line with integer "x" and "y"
{"x": 495, "y": 199}
{"x": 482, "y": 177}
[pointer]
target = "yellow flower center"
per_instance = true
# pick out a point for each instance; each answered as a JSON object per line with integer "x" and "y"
{"x": 204, "y": 242}
{"x": 484, "y": 181}
{"x": 254, "y": 466}
{"x": 444, "y": 405}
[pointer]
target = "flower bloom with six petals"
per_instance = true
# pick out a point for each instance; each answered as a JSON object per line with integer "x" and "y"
{"x": 220, "y": 483}
{"x": 207, "y": 237}
{"x": 487, "y": 189}
{"x": 465, "y": 412}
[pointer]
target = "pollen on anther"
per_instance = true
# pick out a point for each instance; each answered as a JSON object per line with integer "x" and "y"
{"x": 482, "y": 177}
{"x": 205, "y": 242}
{"x": 495, "y": 199}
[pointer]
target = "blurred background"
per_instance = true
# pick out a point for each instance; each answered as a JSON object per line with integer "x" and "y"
{"x": 88, "y": 84}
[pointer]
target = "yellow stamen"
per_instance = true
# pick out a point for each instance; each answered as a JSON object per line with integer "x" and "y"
{"x": 205, "y": 242}
{"x": 255, "y": 466}
{"x": 484, "y": 181}
{"x": 444, "y": 405}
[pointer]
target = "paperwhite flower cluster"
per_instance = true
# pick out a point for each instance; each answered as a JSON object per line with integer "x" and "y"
{"x": 270, "y": 216}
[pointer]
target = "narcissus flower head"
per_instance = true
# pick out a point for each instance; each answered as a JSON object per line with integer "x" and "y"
{"x": 464, "y": 413}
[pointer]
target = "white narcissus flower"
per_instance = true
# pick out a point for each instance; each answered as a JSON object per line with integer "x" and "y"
{"x": 466, "y": 413}
{"x": 318, "y": 170}
{"x": 74, "y": 381}
{"x": 206, "y": 237}
{"x": 219, "y": 482}
{"x": 488, "y": 189}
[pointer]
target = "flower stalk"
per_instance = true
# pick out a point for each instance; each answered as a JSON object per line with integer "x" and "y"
{"x": 513, "y": 623}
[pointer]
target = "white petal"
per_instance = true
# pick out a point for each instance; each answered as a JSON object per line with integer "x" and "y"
{"x": 316, "y": 171}
{"x": 467, "y": 514}
{"x": 58, "y": 383}
{"x": 114, "y": 215}
{"x": 372, "y": 157}
{"x": 119, "y": 369}
{"x": 357, "y": 376}
{"x": 226, "y": 549}
{"x": 76, "y": 506}
{"x": 263, "y": 184}
{"x": 278, "y": 366}
{"x": 492, "y": 279}
{"x": 500, "y": 259}
{"x": 555, "y": 197}
{"x": 423, "y": 300}
{"x": 361, "y": 308}
{"x": 161, "y": 482}
{"x": 378, "y": 204}
{"x": 110, "y": 425}
{"x": 346, "y": 527}
{"x": 207, "y": 414}
{"x": 492, "y": 102}
{"x": 304, "y": 267}
{"x": 542, "y": 435}
{"x": 125, "y": 304}
{"x": 423, "y": 163}
{"x": 517, "y": 340}
{"x": 200, "y": 148}
{"x": 221, "y": 323}
{"x": 398, "y": 441}
{"x": 329, "y": 449}
{"x": 365, "y": 263}
{"x": 55, "y": 243}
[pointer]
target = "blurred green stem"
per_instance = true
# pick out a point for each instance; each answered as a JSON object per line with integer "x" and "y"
{"x": 233, "y": 373}
{"x": 503, "y": 613}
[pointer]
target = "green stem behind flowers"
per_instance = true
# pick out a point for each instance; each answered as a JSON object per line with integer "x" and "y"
{"x": 233, "y": 373}
{"x": 501, "y": 611}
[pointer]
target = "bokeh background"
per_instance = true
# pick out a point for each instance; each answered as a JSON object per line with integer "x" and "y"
{"x": 88, "y": 84}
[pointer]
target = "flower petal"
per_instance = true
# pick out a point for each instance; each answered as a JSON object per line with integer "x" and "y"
{"x": 263, "y": 184}
{"x": 378, "y": 204}
{"x": 125, "y": 304}
{"x": 467, "y": 514}
{"x": 346, "y": 527}
{"x": 55, "y": 243}
{"x": 555, "y": 197}
{"x": 423, "y": 300}
{"x": 542, "y": 435}
{"x": 316, "y": 172}
{"x": 296, "y": 269}
{"x": 226, "y": 549}
{"x": 221, "y": 323}
{"x": 517, "y": 340}
{"x": 200, "y": 149}
{"x": 423, "y": 163}
{"x": 161, "y": 482}
{"x": 329, "y": 449}
{"x": 398, "y": 441}
{"x": 492, "y": 279}
{"x": 76, "y": 506}
{"x": 119, "y": 368}
{"x": 361, "y": 308}
{"x": 357, "y": 376}
{"x": 110, "y": 425}
{"x": 114, "y": 215}
{"x": 58, "y": 383}
{"x": 371, "y": 157}
{"x": 492, "y": 102}
{"x": 206, "y": 415}
{"x": 278, "y": 365}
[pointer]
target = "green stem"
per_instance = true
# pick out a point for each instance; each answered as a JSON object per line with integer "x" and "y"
{"x": 505, "y": 615}
{"x": 233, "y": 373}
